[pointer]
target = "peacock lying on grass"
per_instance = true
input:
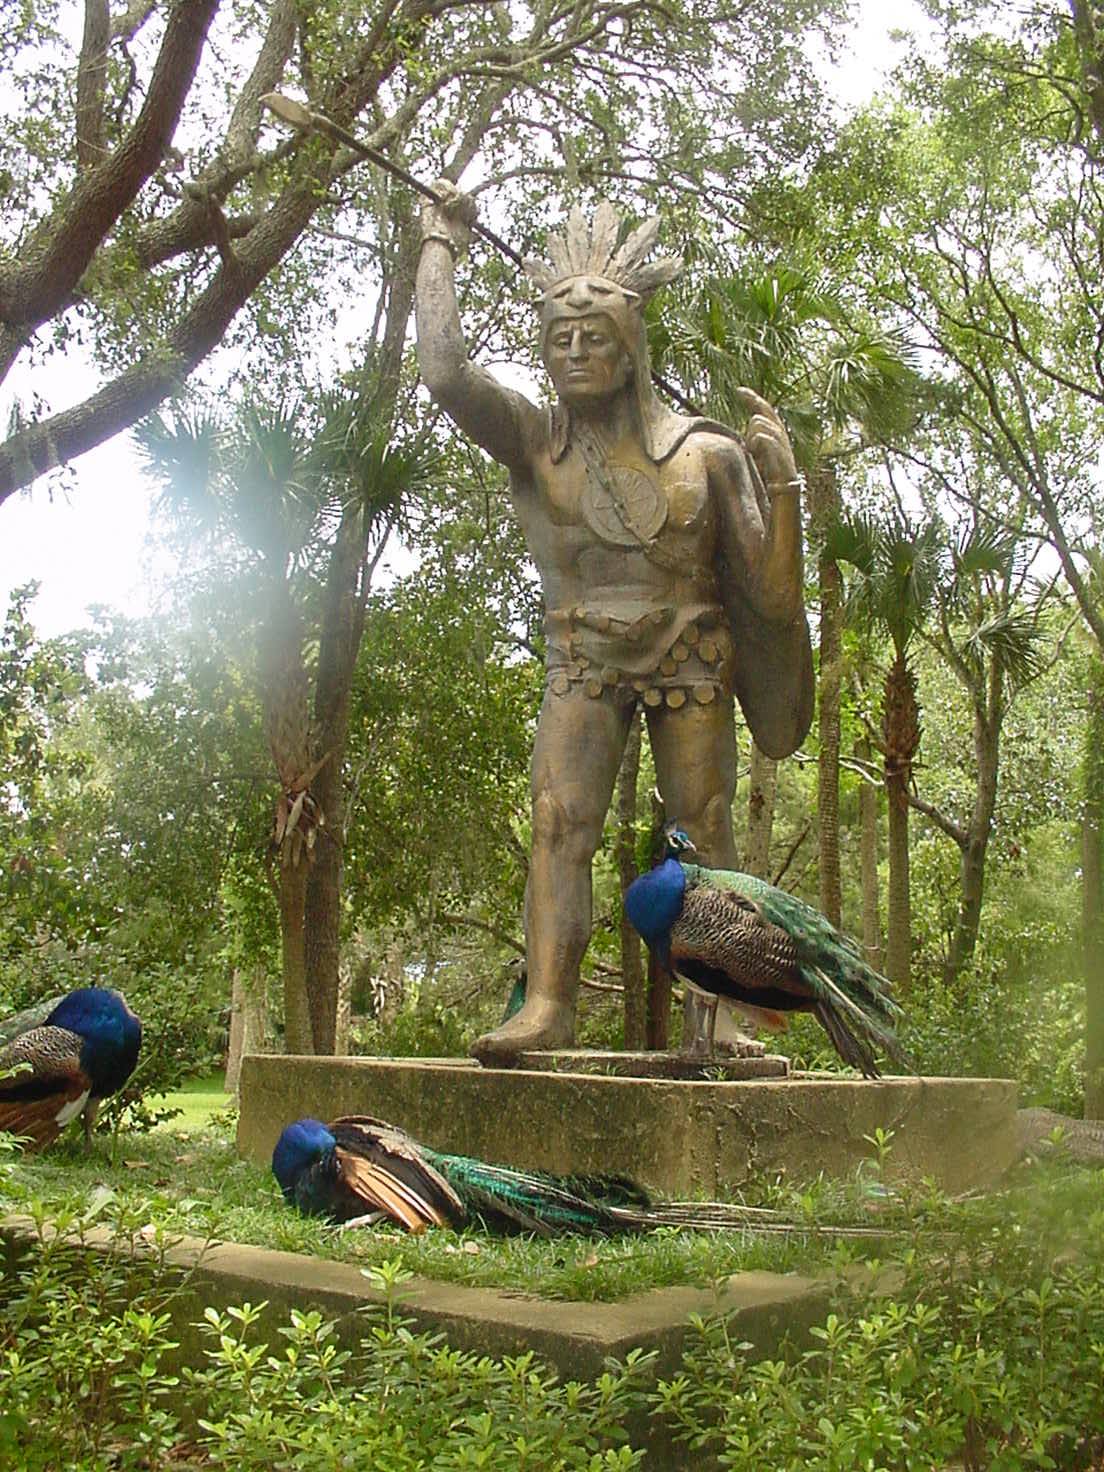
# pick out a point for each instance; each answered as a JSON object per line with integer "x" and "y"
{"x": 57, "y": 1066}
{"x": 733, "y": 935}
{"x": 359, "y": 1171}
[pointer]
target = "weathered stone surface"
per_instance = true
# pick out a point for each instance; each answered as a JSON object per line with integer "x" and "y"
{"x": 654, "y": 1065}
{"x": 679, "y": 1138}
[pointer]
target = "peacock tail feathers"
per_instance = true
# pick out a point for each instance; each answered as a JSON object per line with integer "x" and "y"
{"x": 536, "y": 1201}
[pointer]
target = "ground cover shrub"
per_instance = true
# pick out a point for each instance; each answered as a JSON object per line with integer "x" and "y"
{"x": 403, "y": 1400}
{"x": 983, "y": 1347}
{"x": 90, "y": 1380}
{"x": 83, "y": 1338}
{"x": 977, "y": 1341}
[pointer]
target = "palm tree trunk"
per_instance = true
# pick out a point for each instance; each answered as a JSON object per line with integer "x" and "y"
{"x": 284, "y": 686}
{"x": 1092, "y": 899}
{"x": 868, "y": 863}
{"x": 298, "y": 1035}
{"x": 900, "y": 739}
{"x": 343, "y": 625}
{"x": 826, "y": 510}
{"x": 632, "y": 969}
{"x": 763, "y": 783}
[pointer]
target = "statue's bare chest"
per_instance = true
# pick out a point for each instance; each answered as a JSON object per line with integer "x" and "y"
{"x": 622, "y": 500}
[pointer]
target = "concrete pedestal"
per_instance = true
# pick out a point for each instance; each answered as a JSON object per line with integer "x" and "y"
{"x": 677, "y": 1137}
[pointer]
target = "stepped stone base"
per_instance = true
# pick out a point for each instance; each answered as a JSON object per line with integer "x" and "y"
{"x": 677, "y": 1137}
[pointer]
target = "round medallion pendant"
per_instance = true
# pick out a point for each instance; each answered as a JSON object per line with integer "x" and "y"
{"x": 630, "y": 513}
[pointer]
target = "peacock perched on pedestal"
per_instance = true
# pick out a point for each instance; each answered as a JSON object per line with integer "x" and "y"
{"x": 64, "y": 1063}
{"x": 733, "y": 935}
{"x": 358, "y": 1171}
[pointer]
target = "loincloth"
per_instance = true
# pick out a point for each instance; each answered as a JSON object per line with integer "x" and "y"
{"x": 664, "y": 656}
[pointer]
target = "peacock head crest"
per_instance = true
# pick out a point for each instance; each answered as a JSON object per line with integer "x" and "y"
{"x": 298, "y": 1147}
{"x": 678, "y": 841}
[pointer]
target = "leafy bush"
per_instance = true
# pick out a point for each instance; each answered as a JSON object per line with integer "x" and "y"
{"x": 403, "y": 1401}
{"x": 83, "y": 1336}
{"x": 1006, "y": 1378}
{"x": 86, "y": 1380}
{"x": 419, "y": 1031}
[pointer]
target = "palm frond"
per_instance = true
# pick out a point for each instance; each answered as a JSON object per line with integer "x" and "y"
{"x": 184, "y": 456}
{"x": 1014, "y": 640}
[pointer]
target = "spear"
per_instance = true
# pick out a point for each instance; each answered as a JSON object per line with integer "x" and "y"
{"x": 305, "y": 121}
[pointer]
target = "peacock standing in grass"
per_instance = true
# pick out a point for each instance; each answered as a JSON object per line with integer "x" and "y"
{"x": 733, "y": 935}
{"x": 358, "y": 1170}
{"x": 62, "y": 1064}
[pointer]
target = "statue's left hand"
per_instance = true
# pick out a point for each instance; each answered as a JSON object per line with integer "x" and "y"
{"x": 768, "y": 441}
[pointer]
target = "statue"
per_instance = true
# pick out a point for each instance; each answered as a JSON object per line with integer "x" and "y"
{"x": 669, "y": 550}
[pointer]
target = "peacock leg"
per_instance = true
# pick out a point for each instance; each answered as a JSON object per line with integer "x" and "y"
{"x": 88, "y": 1120}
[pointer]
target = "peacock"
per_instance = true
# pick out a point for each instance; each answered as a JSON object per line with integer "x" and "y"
{"x": 733, "y": 935}
{"x": 358, "y": 1171}
{"x": 66, "y": 1063}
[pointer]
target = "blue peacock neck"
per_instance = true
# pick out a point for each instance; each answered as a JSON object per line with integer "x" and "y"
{"x": 654, "y": 902}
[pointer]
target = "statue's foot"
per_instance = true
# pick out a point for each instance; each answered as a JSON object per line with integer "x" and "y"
{"x": 539, "y": 1025}
{"x": 740, "y": 1046}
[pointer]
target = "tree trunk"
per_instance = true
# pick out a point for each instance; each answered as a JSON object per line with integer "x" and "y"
{"x": 347, "y": 587}
{"x": 868, "y": 861}
{"x": 987, "y": 724}
{"x": 298, "y": 1035}
{"x": 1089, "y": 32}
{"x": 762, "y": 786}
{"x": 1092, "y": 899}
{"x": 632, "y": 969}
{"x": 284, "y": 686}
{"x": 900, "y": 740}
{"x": 899, "y": 926}
{"x": 659, "y": 979}
{"x": 826, "y": 510}
{"x": 248, "y": 1022}
{"x": 343, "y": 623}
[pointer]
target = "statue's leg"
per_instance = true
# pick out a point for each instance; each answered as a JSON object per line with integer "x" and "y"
{"x": 580, "y": 741}
{"x": 695, "y": 756}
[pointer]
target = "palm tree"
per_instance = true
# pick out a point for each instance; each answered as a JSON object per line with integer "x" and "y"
{"x": 841, "y": 386}
{"x": 305, "y": 496}
{"x": 897, "y": 568}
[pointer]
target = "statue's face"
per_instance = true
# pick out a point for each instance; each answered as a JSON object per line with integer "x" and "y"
{"x": 586, "y": 358}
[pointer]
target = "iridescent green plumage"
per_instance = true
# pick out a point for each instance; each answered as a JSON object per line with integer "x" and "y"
{"x": 734, "y": 935}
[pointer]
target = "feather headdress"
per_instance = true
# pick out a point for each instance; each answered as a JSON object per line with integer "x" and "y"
{"x": 592, "y": 254}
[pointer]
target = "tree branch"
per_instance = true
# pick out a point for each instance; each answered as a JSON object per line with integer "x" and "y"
{"x": 91, "y": 82}
{"x": 60, "y": 249}
{"x": 941, "y": 821}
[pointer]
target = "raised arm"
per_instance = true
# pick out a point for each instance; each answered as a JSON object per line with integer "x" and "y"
{"x": 503, "y": 422}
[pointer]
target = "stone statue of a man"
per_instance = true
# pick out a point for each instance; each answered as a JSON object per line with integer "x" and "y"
{"x": 669, "y": 550}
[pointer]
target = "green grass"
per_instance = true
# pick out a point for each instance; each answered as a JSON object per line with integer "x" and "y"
{"x": 191, "y": 1181}
{"x": 197, "y": 1101}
